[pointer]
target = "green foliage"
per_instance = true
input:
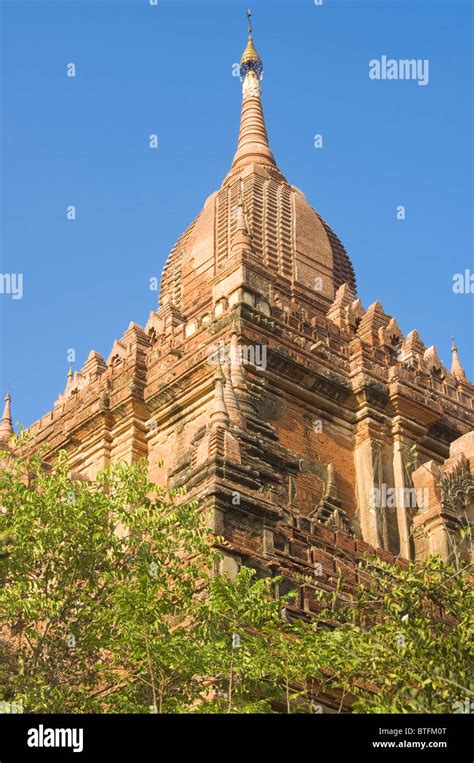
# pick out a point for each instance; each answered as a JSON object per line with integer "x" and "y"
{"x": 406, "y": 640}
{"x": 109, "y": 603}
{"x": 98, "y": 587}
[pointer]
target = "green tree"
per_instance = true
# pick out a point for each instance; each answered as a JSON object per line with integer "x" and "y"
{"x": 403, "y": 643}
{"x": 237, "y": 621}
{"x": 109, "y": 602}
{"x": 99, "y": 588}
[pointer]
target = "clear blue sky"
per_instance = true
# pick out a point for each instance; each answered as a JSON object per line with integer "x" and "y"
{"x": 168, "y": 70}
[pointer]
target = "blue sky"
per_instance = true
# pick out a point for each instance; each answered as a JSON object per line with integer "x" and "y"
{"x": 167, "y": 70}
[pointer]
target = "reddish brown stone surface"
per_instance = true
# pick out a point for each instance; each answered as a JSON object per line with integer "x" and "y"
{"x": 285, "y": 453}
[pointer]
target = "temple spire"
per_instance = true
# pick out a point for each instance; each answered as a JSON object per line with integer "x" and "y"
{"x": 253, "y": 139}
{"x": 219, "y": 416}
{"x": 456, "y": 367}
{"x": 241, "y": 240}
{"x": 6, "y": 426}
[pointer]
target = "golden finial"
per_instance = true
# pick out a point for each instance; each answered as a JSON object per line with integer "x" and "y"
{"x": 250, "y": 60}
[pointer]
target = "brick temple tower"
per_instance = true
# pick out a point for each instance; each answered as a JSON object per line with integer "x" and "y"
{"x": 300, "y": 418}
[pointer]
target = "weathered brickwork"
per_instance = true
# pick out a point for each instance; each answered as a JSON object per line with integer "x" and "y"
{"x": 263, "y": 385}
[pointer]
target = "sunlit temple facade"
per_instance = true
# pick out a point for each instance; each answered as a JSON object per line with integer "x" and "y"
{"x": 307, "y": 424}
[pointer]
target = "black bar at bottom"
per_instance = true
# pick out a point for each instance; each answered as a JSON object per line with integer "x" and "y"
{"x": 157, "y": 737}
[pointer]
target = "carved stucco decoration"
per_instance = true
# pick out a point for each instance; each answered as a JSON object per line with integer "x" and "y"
{"x": 457, "y": 487}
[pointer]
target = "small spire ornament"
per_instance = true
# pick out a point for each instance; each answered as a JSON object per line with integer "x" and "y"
{"x": 6, "y": 424}
{"x": 456, "y": 367}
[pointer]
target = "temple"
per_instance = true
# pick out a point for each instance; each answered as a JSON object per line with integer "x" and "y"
{"x": 263, "y": 385}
